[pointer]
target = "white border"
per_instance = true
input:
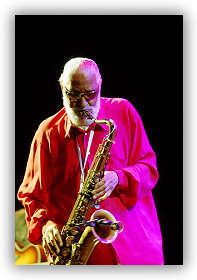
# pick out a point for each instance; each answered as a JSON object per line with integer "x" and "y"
{"x": 8, "y": 9}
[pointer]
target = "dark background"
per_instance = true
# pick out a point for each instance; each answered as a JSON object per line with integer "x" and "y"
{"x": 140, "y": 59}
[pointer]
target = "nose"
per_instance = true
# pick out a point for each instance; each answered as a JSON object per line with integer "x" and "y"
{"x": 83, "y": 102}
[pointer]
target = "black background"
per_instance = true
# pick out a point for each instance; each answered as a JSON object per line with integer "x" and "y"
{"x": 140, "y": 59}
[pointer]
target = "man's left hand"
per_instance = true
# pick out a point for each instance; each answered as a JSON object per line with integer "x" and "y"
{"x": 105, "y": 187}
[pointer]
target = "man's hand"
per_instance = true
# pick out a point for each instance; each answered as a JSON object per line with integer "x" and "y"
{"x": 104, "y": 188}
{"x": 52, "y": 240}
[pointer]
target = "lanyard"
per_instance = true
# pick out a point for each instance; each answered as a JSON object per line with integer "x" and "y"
{"x": 82, "y": 166}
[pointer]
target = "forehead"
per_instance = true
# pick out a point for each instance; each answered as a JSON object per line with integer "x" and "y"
{"x": 82, "y": 80}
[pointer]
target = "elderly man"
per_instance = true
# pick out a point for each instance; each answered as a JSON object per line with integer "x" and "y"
{"x": 61, "y": 154}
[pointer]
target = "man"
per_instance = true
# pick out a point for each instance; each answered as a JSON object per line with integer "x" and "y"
{"x": 61, "y": 154}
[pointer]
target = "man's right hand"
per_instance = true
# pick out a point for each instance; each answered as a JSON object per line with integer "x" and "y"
{"x": 52, "y": 240}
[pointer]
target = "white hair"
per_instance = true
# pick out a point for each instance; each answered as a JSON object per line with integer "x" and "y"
{"x": 77, "y": 63}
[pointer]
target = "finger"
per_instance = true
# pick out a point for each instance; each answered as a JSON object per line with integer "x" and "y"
{"x": 46, "y": 250}
{"x": 53, "y": 242}
{"x": 49, "y": 244}
{"x": 100, "y": 189}
{"x": 103, "y": 197}
{"x": 51, "y": 250}
{"x": 58, "y": 237}
{"x": 100, "y": 183}
{"x": 106, "y": 195}
{"x": 99, "y": 194}
{"x": 47, "y": 239}
{"x": 55, "y": 245}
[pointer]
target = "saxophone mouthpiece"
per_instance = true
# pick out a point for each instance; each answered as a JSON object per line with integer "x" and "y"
{"x": 87, "y": 115}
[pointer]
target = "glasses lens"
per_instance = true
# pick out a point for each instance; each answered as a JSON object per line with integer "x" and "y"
{"x": 73, "y": 95}
{"x": 90, "y": 95}
{"x": 76, "y": 95}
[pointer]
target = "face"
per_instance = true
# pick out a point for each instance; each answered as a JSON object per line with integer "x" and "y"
{"x": 81, "y": 82}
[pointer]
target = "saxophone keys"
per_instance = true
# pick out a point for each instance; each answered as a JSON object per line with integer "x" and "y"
{"x": 97, "y": 205}
{"x": 82, "y": 209}
{"x": 74, "y": 230}
{"x": 61, "y": 261}
{"x": 96, "y": 180}
{"x": 69, "y": 240}
{"x": 57, "y": 261}
{"x": 86, "y": 201}
{"x": 65, "y": 252}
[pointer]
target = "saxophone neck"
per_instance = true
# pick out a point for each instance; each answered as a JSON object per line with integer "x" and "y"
{"x": 110, "y": 123}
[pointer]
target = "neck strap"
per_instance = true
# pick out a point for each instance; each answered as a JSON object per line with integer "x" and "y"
{"x": 82, "y": 166}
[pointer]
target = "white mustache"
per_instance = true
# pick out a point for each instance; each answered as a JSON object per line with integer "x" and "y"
{"x": 80, "y": 111}
{"x": 84, "y": 109}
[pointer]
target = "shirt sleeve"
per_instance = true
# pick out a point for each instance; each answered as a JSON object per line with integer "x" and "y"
{"x": 33, "y": 192}
{"x": 141, "y": 175}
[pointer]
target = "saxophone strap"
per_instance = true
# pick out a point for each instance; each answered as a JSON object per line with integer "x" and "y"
{"x": 82, "y": 165}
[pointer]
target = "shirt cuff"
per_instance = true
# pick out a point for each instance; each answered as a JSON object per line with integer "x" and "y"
{"x": 122, "y": 180}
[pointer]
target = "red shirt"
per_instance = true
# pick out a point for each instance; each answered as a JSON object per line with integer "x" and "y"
{"x": 52, "y": 179}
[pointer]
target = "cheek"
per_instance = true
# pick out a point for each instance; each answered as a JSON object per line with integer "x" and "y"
{"x": 94, "y": 101}
{"x": 72, "y": 104}
{"x": 68, "y": 103}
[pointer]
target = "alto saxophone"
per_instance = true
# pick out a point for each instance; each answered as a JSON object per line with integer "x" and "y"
{"x": 80, "y": 236}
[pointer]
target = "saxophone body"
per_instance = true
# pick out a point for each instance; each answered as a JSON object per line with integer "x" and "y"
{"x": 80, "y": 238}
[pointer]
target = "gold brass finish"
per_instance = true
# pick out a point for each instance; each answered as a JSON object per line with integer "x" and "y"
{"x": 78, "y": 240}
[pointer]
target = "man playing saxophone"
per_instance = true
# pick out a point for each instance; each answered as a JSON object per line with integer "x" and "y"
{"x": 61, "y": 154}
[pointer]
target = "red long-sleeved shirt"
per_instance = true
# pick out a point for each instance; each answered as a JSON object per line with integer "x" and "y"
{"x": 52, "y": 179}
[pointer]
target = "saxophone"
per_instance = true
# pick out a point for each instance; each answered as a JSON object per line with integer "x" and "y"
{"x": 80, "y": 236}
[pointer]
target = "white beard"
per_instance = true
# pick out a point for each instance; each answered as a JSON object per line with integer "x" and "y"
{"x": 76, "y": 116}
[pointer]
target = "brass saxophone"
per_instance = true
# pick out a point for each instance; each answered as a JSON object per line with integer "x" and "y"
{"x": 80, "y": 236}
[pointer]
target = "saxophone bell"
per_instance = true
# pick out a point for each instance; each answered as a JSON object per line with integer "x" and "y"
{"x": 105, "y": 227}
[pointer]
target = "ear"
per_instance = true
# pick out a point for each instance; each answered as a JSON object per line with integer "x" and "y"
{"x": 100, "y": 83}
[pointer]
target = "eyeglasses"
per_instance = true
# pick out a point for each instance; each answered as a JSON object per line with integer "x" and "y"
{"x": 74, "y": 96}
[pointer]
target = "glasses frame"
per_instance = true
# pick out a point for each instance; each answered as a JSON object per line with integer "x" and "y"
{"x": 81, "y": 94}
